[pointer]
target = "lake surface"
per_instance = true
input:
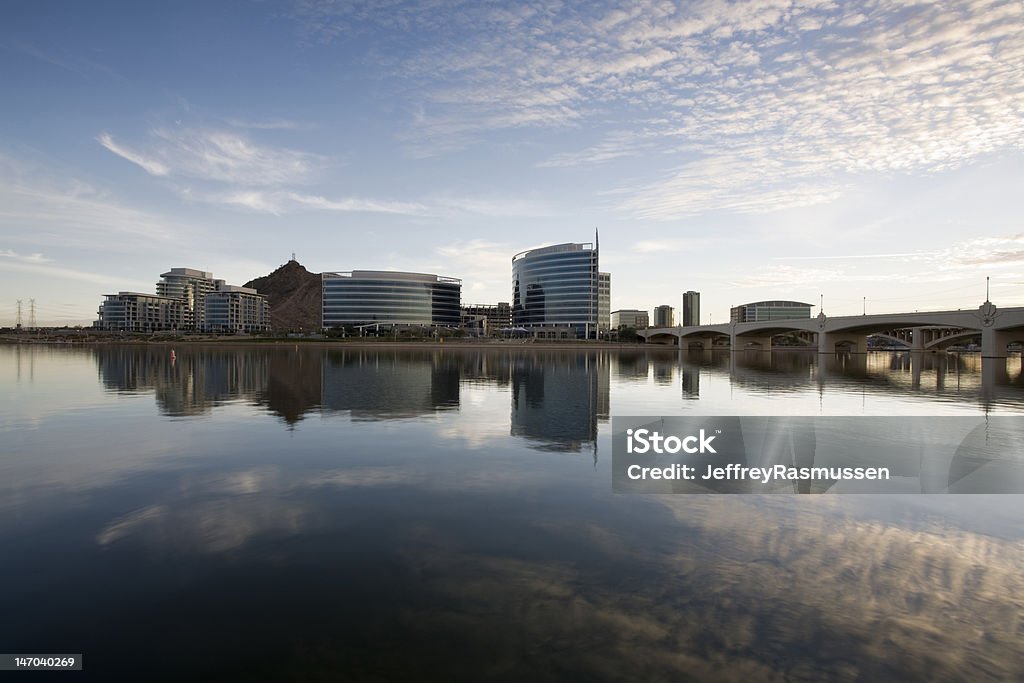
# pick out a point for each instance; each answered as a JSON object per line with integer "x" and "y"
{"x": 294, "y": 513}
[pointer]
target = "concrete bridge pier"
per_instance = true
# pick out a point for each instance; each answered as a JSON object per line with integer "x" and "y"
{"x": 993, "y": 343}
{"x": 917, "y": 339}
{"x": 827, "y": 341}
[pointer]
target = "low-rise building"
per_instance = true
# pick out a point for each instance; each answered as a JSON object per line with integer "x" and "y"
{"x": 384, "y": 298}
{"x": 140, "y": 312}
{"x": 760, "y": 311}
{"x": 497, "y": 316}
{"x": 630, "y": 317}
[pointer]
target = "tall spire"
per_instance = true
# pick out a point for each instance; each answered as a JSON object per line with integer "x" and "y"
{"x": 597, "y": 241}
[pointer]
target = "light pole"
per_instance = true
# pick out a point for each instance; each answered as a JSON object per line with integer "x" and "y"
{"x": 865, "y": 306}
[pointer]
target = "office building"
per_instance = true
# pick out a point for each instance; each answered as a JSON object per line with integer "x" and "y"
{"x": 761, "y": 311}
{"x": 234, "y": 310}
{"x": 362, "y": 298}
{"x": 630, "y": 317}
{"x": 555, "y": 291}
{"x": 604, "y": 302}
{"x": 691, "y": 309}
{"x": 664, "y": 316}
{"x": 139, "y": 312}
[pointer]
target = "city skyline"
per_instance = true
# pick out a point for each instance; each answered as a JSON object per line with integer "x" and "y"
{"x": 871, "y": 154}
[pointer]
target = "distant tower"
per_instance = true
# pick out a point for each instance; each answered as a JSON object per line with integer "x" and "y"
{"x": 691, "y": 308}
{"x": 32, "y": 314}
{"x": 17, "y": 324}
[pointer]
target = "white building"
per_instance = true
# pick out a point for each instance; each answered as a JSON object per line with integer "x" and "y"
{"x": 630, "y": 317}
{"x": 139, "y": 312}
{"x": 190, "y": 286}
{"x": 186, "y": 300}
{"x": 234, "y": 310}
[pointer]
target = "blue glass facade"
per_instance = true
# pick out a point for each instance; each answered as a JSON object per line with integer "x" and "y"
{"x": 556, "y": 287}
{"x": 390, "y": 298}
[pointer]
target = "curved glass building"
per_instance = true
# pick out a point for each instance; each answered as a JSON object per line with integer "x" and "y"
{"x": 366, "y": 297}
{"x": 556, "y": 287}
{"x": 760, "y": 311}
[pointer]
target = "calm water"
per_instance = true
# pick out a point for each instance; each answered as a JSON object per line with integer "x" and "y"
{"x": 309, "y": 514}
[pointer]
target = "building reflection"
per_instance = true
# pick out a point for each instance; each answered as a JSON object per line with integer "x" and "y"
{"x": 558, "y": 399}
{"x": 373, "y": 385}
{"x": 190, "y": 382}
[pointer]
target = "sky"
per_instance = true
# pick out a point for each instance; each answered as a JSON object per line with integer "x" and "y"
{"x": 869, "y": 155}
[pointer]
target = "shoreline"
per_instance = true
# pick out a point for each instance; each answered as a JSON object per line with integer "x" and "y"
{"x": 462, "y": 344}
{"x": 331, "y": 343}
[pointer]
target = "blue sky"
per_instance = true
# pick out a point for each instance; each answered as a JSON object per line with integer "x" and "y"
{"x": 746, "y": 150}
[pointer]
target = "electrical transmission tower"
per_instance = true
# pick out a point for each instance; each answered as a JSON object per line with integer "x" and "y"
{"x": 32, "y": 314}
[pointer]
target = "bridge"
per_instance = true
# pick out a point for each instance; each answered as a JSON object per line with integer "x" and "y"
{"x": 933, "y": 330}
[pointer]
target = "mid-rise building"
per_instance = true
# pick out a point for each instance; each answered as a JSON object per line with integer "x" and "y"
{"x": 139, "y": 312}
{"x": 664, "y": 316}
{"x": 189, "y": 286}
{"x": 233, "y": 310}
{"x": 555, "y": 290}
{"x": 691, "y": 309}
{"x": 374, "y": 297}
{"x": 760, "y": 311}
{"x": 185, "y": 300}
{"x": 630, "y": 317}
{"x": 604, "y": 302}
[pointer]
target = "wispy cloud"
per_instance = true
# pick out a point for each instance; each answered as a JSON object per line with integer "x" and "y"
{"x": 280, "y": 202}
{"x": 23, "y": 258}
{"x": 150, "y": 166}
{"x": 754, "y": 107}
{"x": 216, "y": 155}
{"x": 64, "y": 273}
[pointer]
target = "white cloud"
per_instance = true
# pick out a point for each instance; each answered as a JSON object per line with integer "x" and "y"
{"x": 74, "y": 275}
{"x": 216, "y": 155}
{"x": 24, "y": 258}
{"x": 355, "y": 204}
{"x": 150, "y": 166}
{"x": 756, "y": 106}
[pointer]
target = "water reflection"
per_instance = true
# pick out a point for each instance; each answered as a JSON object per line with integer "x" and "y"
{"x": 371, "y": 539}
{"x": 557, "y": 399}
{"x": 375, "y": 386}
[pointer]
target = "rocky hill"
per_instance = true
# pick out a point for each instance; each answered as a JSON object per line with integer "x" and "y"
{"x": 294, "y": 297}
